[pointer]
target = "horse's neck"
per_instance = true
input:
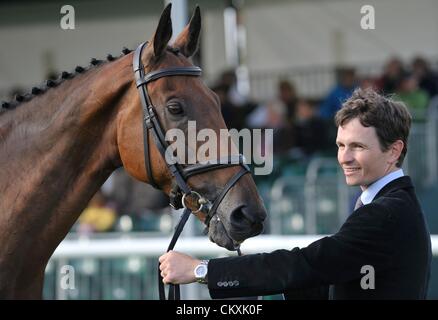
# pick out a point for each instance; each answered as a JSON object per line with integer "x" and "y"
{"x": 55, "y": 153}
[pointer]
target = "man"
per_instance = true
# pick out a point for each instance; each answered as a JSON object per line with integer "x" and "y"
{"x": 383, "y": 249}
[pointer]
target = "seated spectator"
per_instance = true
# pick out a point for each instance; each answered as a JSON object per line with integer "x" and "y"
{"x": 426, "y": 78}
{"x": 344, "y": 89}
{"x": 233, "y": 117}
{"x": 235, "y": 106}
{"x": 392, "y": 74}
{"x": 228, "y": 79}
{"x": 288, "y": 96}
{"x": 97, "y": 216}
{"x": 415, "y": 98}
{"x": 310, "y": 130}
{"x": 272, "y": 115}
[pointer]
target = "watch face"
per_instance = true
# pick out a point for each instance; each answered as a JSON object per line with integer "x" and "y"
{"x": 201, "y": 271}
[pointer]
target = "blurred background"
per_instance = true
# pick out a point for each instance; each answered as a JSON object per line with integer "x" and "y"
{"x": 285, "y": 65}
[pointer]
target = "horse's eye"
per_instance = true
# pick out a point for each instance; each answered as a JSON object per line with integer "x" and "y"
{"x": 175, "y": 108}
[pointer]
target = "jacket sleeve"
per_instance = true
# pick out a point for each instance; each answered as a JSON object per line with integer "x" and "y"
{"x": 366, "y": 238}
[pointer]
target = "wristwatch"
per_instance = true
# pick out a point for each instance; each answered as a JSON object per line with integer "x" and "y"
{"x": 201, "y": 272}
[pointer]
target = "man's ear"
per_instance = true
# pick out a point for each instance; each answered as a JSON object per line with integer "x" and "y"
{"x": 187, "y": 41}
{"x": 396, "y": 149}
{"x": 163, "y": 32}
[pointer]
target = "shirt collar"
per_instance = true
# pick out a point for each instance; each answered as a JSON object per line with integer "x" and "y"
{"x": 369, "y": 193}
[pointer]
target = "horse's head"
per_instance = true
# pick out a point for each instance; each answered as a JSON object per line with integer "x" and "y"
{"x": 178, "y": 99}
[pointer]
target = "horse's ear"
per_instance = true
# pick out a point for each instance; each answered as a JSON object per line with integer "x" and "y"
{"x": 163, "y": 32}
{"x": 187, "y": 40}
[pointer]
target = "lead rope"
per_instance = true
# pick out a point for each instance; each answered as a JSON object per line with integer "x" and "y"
{"x": 174, "y": 289}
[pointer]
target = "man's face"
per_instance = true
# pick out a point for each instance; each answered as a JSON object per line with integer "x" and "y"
{"x": 360, "y": 155}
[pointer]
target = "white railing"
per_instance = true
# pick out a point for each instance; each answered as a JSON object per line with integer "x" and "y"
{"x": 198, "y": 246}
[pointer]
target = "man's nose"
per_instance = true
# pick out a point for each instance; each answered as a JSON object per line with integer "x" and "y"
{"x": 345, "y": 156}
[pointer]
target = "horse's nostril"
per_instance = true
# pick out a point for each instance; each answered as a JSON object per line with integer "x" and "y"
{"x": 241, "y": 216}
{"x": 243, "y": 221}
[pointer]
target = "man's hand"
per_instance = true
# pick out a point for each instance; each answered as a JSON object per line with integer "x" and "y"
{"x": 178, "y": 268}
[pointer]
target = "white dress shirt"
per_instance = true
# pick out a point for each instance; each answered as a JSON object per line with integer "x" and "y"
{"x": 369, "y": 193}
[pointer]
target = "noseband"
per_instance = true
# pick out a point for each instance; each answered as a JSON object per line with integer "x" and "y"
{"x": 181, "y": 190}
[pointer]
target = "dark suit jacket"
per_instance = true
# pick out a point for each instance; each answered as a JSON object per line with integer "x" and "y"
{"x": 390, "y": 234}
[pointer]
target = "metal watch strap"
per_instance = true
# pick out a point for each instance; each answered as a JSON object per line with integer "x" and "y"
{"x": 205, "y": 279}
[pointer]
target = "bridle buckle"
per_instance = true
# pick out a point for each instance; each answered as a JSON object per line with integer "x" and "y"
{"x": 201, "y": 201}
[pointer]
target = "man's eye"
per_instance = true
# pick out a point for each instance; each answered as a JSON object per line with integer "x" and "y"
{"x": 175, "y": 108}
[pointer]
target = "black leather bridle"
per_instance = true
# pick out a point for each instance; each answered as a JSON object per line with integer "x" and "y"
{"x": 181, "y": 189}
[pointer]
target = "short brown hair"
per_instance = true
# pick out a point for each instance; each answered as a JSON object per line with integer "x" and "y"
{"x": 391, "y": 119}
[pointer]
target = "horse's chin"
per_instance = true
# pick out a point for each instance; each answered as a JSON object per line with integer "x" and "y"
{"x": 219, "y": 235}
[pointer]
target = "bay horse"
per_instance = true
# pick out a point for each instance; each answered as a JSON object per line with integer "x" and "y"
{"x": 61, "y": 142}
